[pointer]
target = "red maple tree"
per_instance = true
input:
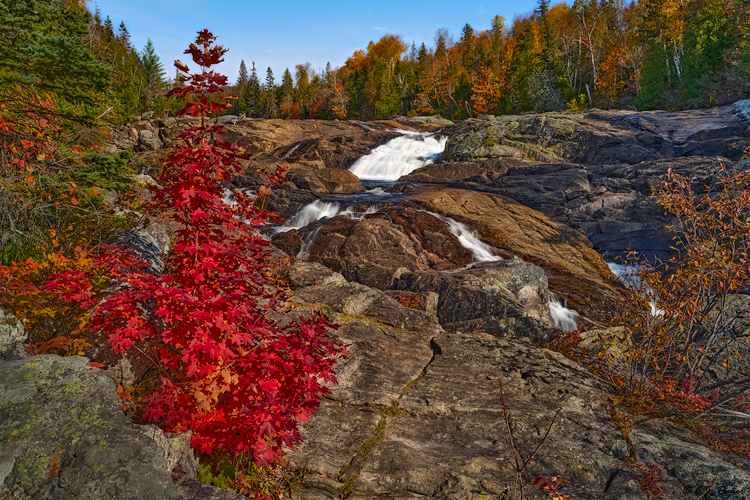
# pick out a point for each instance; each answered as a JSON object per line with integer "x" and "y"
{"x": 239, "y": 380}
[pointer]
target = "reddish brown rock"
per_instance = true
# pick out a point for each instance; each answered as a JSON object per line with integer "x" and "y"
{"x": 574, "y": 269}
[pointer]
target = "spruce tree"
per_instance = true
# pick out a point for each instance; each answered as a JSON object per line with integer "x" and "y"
{"x": 269, "y": 106}
{"x": 251, "y": 94}
{"x": 123, "y": 34}
{"x": 270, "y": 81}
{"x": 153, "y": 67}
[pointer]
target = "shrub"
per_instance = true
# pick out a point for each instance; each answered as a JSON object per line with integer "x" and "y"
{"x": 685, "y": 321}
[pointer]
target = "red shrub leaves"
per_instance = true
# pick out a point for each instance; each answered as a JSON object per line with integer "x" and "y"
{"x": 239, "y": 380}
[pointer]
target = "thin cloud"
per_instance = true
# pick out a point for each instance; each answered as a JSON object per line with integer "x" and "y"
{"x": 379, "y": 28}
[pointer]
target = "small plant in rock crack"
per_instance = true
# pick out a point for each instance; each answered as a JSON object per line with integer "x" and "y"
{"x": 519, "y": 464}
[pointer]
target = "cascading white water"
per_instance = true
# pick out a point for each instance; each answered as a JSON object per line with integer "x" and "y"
{"x": 355, "y": 214}
{"x": 564, "y": 318}
{"x": 310, "y": 213}
{"x": 481, "y": 251}
{"x": 398, "y": 157}
{"x": 307, "y": 245}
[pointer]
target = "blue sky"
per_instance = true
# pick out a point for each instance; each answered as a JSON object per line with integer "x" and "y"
{"x": 281, "y": 34}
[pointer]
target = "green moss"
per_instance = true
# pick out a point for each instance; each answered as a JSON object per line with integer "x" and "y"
{"x": 392, "y": 410}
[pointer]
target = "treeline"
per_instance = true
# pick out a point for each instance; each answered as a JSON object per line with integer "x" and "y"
{"x": 652, "y": 54}
{"x": 57, "y": 50}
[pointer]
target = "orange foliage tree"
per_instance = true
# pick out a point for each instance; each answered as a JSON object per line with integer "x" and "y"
{"x": 686, "y": 323}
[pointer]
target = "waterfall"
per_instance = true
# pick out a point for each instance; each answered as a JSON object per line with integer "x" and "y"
{"x": 627, "y": 275}
{"x": 307, "y": 245}
{"x": 355, "y": 214}
{"x": 310, "y": 213}
{"x": 399, "y": 156}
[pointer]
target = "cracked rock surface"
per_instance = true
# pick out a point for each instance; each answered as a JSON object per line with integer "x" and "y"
{"x": 419, "y": 414}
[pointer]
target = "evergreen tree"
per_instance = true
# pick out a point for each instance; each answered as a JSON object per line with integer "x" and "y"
{"x": 287, "y": 84}
{"x": 242, "y": 78}
{"x": 467, "y": 48}
{"x": 270, "y": 80}
{"x": 45, "y": 45}
{"x": 269, "y": 106}
{"x": 123, "y": 34}
{"x": 153, "y": 68}
{"x": 251, "y": 95}
{"x": 109, "y": 27}
{"x": 522, "y": 65}
{"x": 497, "y": 36}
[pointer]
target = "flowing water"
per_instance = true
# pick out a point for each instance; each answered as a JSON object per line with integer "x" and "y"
{"x": 388, "y": 163}
{"x": 565, "y": 319}
{"x": 400, "y": 156}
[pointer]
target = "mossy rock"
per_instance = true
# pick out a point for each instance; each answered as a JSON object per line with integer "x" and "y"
{"x": 63, "y": 434}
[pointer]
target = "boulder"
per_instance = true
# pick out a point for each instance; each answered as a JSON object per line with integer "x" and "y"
{"x": 63, "y": 434}
{"x": 324, "y": 181}
{"x": 373, "y": 248}
{"x": 148, "y": 141}
{"x": 287, "y": 199}
{"x": 12, "y": 337}
{"x": 498, "y": 297}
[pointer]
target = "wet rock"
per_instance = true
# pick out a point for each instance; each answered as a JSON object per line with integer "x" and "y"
{"x": 63, "y": 435}
{"x": 370, "y": 250}
{"x": 287, "y": 200}
{"x": 325, "y": 181}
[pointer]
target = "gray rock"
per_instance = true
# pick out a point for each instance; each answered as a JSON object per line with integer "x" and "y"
{"x": 148, "y": 141}
{"x": 12, "y": 337}
{"x": 493, "y": 296}
{"x": 63, "y": 435}
{"x": 354, "y": 299}
{"x": 150, "y": 245}
{"x": 304, "y": 274}
{"x": 442, "y": 433}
